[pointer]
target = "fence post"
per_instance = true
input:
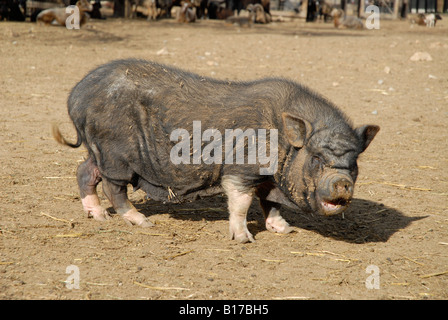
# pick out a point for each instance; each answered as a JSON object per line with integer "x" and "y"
{"x": 396, "y": 6}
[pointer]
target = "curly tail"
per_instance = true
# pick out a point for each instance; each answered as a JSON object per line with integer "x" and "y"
{"x": 57, "y": 135}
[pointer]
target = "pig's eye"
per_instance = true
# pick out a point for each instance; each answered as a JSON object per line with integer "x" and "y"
{"x": 317, "y": 162}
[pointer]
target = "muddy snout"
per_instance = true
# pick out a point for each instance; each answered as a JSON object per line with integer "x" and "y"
{"x": 334, "y": 192}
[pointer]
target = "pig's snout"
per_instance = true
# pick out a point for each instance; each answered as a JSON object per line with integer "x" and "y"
{"x": 334, "y": 192}
{"x": 341, "y": 187}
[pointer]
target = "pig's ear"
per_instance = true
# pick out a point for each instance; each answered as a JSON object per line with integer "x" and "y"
{"x": 296, "y": 129}
{"x": 366, "y": 134}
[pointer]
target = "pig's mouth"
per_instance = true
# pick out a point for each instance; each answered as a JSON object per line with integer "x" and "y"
{"x": 334, "y": 192}
{"x": 334, "y": 206}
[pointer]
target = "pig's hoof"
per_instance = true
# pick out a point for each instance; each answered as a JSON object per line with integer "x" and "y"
{"x": 133, "y": 217}
{"x": 98, "y": 213}
{"x": 278, "y": 224}
{"x": 242, "y": 237}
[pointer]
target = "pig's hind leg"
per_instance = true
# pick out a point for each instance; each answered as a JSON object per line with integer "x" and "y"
{"x": 88, "y": 177}
{"x": 118, "y": 197}
{"x": 239, "y": 201}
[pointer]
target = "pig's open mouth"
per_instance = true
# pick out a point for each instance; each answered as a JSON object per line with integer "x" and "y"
{"x": 334, "y": 206}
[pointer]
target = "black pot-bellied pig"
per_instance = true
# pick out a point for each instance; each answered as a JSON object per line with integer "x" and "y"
{"x": 162, "y": 129}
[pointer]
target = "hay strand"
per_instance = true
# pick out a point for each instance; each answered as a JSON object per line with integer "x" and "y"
{"x": 154, "y": 234}
{"x": 99, "y": 284}
{"x": 70, "y": 235}
{"x": 178, "y": 255}
{"x": 58, "y": 219}
{"x": 159, "y": 288}
{"x": 401, "y": 186}
{"x": 68, "y": 177}
{"x": 291, "y": 298}
{"x": 436, "y": 274}
{"x": 412, "y": 260}
{"x": 272, "y": 260}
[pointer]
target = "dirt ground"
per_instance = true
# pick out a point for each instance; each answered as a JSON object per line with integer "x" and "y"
{"x": 394, "y": 237}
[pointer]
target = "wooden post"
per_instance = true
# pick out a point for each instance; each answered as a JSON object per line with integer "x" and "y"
{"x": 127, "y": 8}
{"x": 118, "y": 8}
{"x": 361, "y": 9}
{"x": 404, "y": 9}
{"x": 396, "y": 6}
{"x": 303, "y": 9}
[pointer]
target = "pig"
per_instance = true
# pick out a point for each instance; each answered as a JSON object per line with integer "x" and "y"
{"x": 259, "y": 15}
{"x": 149, "y": 5}
{"x": 125, "y": 113}
{"x": 341, "y": 21}
{"x": 187, "y": 12}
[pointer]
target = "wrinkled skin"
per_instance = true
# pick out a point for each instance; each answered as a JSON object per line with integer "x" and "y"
{"x": 329, "y": 167}
{"x": 125, "y": 111}
{"x": 318, "y": 174}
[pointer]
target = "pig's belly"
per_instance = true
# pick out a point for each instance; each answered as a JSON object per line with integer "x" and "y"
{"x": 175, "y": 183}
{"x": 177, "y": 193}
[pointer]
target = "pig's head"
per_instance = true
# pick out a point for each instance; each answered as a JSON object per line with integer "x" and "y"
{"x": 321, "y": 167}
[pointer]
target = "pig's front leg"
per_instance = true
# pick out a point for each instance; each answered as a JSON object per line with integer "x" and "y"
{"x": 239, "y": 201}
{"x": 274, "y": 221}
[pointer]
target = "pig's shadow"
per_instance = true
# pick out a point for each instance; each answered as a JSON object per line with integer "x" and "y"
{"x": 364, "y": 221}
